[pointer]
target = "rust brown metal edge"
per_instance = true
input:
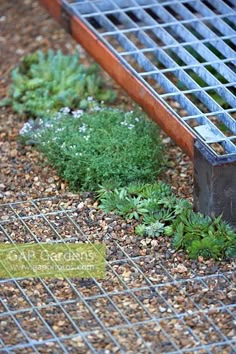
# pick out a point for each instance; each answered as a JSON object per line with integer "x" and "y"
{"x": 124, "y": 77}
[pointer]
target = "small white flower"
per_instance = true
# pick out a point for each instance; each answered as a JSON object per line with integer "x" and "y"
{"x": 59, "y": 130}
{"x": 48, "y": 125}
{"x": 130, "y": 126}
{"x": 26, "y": 128}
{"x": 86, "y": 137}
{"x": 78, "y": 113}
{"x": 90, "y": 98}
{"x": 65, "y": 110}
{"x": 97, "y": 108}
{"x": 83, "y": 128}
{"x": 136, "y": 119}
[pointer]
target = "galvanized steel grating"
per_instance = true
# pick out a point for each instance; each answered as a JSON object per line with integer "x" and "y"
{"x": 128, "y": 310}
{"x": 183, "y": 52}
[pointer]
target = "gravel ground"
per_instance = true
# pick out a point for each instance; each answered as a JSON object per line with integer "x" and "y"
{"x": 190, "y": 302}
{"x": 26, "y": 27}
{"x": 151, "y": 301}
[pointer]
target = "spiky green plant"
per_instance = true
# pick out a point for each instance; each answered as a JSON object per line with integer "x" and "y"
{"x": 133, "y": 201}
{"x": 208, "y": 247}
{"x": 202, "y": 236}
{"x": 154, "y": 229}
{"x": 160, "y": 212}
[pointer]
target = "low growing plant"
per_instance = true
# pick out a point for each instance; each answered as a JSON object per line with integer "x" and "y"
{"x": 104, "y": 146}
{"x": 160, "y": 212}
{"x": 46, "y": 82}
{"x": 150, "y": 203}
{"x": 203, "y": 236}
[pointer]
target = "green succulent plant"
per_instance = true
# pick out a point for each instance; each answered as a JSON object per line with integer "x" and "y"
{"x": 201, "y": 235}
{"x": 208, "y": 247}
{"x": 160, "y": 212}
{"x": 152, "y": 230}
{"x": 46, "y": 82}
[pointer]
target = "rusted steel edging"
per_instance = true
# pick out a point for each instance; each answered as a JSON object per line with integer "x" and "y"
{"x": 122, "y": 75}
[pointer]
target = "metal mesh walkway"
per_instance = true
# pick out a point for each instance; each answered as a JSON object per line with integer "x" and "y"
{"x": 182, "y": 52}
{"x": 141, "y": 307}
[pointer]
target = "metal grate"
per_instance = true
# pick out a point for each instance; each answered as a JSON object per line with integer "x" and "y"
{"x": 183, "y": 52}
{"x": 129, "y": 311}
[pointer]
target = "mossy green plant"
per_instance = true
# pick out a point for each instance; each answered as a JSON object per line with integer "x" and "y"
{"x": 102, "y": 146}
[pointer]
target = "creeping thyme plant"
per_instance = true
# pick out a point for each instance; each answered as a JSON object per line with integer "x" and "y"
{"x": 102, "y": 146}
{"x": 46, "y": 82}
